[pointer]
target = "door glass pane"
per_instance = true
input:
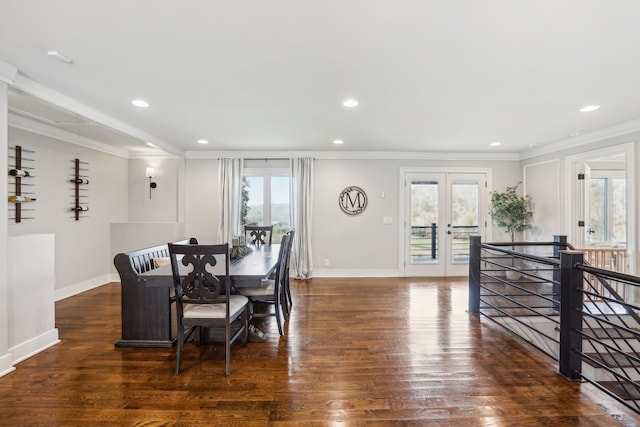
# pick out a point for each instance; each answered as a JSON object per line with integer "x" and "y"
{"x": 279, "y": 206}
{"x": 619, "y": 212}
{"x": 424, "y": 220}
{"x": 596, "y": 233}
{"x": 465, "y": 214}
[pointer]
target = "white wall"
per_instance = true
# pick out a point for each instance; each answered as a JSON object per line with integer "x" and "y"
{"x": 6, "y": 362}
{"x": 163, "y": 204}
{"x": 202, "y": 216}
{"x": 83, "y": 256}
{"x": 31, "y": 295}
{"x": 354, "y": 245}
{"x": 543, "y": 184}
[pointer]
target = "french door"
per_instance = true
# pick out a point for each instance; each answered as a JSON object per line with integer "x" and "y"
{"x": 441, "y": 210}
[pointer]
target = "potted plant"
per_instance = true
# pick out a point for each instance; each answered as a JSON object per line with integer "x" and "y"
{"x": 512, "y": 212}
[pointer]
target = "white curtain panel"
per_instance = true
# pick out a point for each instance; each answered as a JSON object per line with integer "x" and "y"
{"x": 230, "y": 179}
{"x": 301, "y": 262}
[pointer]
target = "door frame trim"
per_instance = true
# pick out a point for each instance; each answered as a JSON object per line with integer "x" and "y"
{"x": 404, "y": 170}
{"x": 570, "y": 185}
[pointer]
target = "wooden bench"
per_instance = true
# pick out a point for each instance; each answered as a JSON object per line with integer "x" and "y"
{"x": 146, "y": 310}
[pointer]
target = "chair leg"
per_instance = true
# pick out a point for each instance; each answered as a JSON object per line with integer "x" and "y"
{"x": 285, "y": 306}
{"x": 288, "y": 289}
{"x": 179, "y": 348}
{"x": 277, "y": 307}
{"x": 227, "y": 350}
{"x": 245, "y": 322}
{"x": 287, "y": 297}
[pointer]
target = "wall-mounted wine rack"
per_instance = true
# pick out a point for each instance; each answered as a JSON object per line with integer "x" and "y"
{"x": 21, "y": 169}
{"x": 80, "y": 179}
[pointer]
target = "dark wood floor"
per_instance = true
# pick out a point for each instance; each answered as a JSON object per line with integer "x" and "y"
{"x": 365, "y": 352}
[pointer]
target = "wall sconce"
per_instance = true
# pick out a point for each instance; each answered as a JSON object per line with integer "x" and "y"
{"x": 151, "y": 173}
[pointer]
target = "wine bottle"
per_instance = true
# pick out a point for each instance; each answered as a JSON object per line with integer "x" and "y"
{"x": 80, "y": 208}
{"x": 20, "y": 199}
{"x": 79, "y": 181}
{"x": 18, "y": 172}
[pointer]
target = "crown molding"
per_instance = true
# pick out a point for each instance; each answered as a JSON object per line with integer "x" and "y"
{"x": 353, "y": 155}
{"x": 8, "y": 73}
{"x": 146, "y": 155}
{"x": 588, "y": 138}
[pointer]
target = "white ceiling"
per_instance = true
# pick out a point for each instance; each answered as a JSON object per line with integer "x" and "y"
{"x": 430, "y": 75}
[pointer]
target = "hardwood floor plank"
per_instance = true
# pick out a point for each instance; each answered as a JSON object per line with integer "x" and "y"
{"x": 358, "y": 352}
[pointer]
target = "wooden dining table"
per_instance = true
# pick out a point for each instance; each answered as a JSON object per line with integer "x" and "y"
{"x": 152, "y": 305}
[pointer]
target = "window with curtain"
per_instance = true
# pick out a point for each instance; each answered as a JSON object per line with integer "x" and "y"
{"x": 265, "y": 195}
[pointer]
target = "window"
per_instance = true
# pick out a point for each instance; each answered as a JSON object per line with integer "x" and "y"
{"x": 607, "y": 208}
{"x": 265, "y": 197}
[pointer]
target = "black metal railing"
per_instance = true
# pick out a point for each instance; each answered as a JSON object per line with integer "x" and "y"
{"x": 610, "y": 336}
{"x": 424, "y": 241}
{"x": 518, "y": 285}
{"x": 425, "y": 245}
{"x": 557, "y": 304}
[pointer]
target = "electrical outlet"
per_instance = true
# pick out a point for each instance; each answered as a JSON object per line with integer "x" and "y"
{"x": 326, "y": 262}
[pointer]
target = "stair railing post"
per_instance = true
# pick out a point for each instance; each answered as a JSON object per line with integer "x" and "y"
{"x": 561, "y": 245}
{"x": 433, "y": 240}
{"x": 571, "y": 282}
{"x": 474, "y": 273}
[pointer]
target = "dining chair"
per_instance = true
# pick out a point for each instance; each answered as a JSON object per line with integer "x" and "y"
{"x": 286, "y": 291}
{"x": 271, "y": 290}
{"x": 258, "y": 234}
{"x": 203, "y": 296}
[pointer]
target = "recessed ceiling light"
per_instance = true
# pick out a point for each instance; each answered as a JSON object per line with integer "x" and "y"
{"x": 58, "y": 55}
{"x": 203, "y": 141}
{"x": 140, "y": 103}
{"x": 495, "y": 143}
{"x": 350, "y": 103}
{"x": 151, "y": 144}
{"x": 338, "y": 141}
{"x": 589, "y": 108}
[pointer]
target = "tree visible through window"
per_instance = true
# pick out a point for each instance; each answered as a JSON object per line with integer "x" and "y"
{"x": 265, "y": 200}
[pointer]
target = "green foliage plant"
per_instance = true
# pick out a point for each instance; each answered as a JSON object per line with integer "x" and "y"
{"x": 511, "y": 211}
{"x": 237, "y": 252}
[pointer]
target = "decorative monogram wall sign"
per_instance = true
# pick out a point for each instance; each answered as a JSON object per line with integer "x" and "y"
{"x": 352, "y": 200}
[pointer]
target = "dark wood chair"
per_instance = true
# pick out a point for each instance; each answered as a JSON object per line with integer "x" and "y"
{"x": 203, "y": 296}
{"x": 286, "y": 290}
{"x": 272, "y": 291}
{"x": 258, "y": 234}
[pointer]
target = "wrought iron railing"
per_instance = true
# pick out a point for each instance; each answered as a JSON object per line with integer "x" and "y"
{"x": 425, "y": 245}
{"x": 563, "y": 306}
{"x": 424, "y": 241}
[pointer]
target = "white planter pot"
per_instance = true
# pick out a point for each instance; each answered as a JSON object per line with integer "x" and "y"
{"x": 513, "y": 275}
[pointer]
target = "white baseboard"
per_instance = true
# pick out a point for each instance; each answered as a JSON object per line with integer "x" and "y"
{"x": 78, "y": 288}
{"x": 325, "y": 272}
{"x": 34, "y": 346}
{"x": 6, "y": 365}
